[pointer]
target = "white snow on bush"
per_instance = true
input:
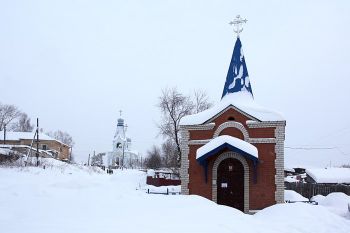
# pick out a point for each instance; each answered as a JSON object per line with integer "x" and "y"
{"x": 290, "y": 195}
{"x": 235, "y": 142}
{"x": 330, "y": 175}
{"x": 338, "y": 203}
{"x": 240, "y": 100}
{"x": 301, "y": 217}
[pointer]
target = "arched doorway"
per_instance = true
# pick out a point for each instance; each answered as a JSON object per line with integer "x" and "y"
{"x": 230, "y": 183}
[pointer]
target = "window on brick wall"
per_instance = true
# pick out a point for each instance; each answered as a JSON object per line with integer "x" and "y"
{"x": 231, "y": 118}
{"x": 44, "y": 147}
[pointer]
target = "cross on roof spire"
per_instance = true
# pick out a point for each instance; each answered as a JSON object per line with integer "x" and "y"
{"x": 237, "y": 24}
{"x": 120, "y": 112}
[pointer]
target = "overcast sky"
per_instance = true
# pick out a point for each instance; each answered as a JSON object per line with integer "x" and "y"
{"x": 75, "y": 64}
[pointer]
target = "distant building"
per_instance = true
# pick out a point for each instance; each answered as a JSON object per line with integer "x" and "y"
{"x": 122, "y": 153}
{"x": 22, "y": 141}
{"x": 330, "y": 175}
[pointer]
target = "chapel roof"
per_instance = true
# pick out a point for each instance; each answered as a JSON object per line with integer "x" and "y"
{"x": 237, "y": 93}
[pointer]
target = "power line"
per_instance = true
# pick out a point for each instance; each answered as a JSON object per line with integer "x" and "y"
{"x": 316, "y": 148}
{"x": 310, "y": 148}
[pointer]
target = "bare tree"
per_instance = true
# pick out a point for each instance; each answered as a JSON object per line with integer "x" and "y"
{"x": 169, "y": 154}
{"x": 23, "y": 124}
{"x": 173, "y": 106}
{"x": 154, "y": 159}
{"x": 97, "y": 160}
{"x": 201, "y": 101}
{"x": 62, "y": 136}
{"x": 7, "y": 114}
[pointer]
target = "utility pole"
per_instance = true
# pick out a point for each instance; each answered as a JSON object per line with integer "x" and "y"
{"x": 70, "y": 156}
{"x": 89, "y": 160}
{"x": 124, "y": 141}
{"x": 37, "y": 142}
{"x": 94, "y": 156}
{"x": 4, "y": 134}
{"x": 123, "y": 154}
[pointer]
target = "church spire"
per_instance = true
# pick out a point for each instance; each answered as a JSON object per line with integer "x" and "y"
{"x": 237, "y": 79}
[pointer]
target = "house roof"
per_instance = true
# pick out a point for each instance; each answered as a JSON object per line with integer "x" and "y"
{"x": 225, "y": 140}
{"x": 240, "y": 100}
{"x": 15, "y": 136}
{"x": 329, "y": 175}
{"x": 237, "y": 93}
{"x": 237, "y": 78}
{"x": 220, "y": 143}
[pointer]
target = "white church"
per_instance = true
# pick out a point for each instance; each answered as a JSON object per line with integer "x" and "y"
{"x": 121, "y": 156}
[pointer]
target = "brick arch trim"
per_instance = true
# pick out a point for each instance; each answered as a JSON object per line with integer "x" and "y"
{"x": 240, "y": 158}
{"x": 232, "y": 124}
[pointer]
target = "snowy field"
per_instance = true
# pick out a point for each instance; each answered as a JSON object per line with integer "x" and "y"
{"x": 64, "y": 198}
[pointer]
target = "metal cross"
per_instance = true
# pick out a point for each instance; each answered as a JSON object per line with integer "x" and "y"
{"x": 120, "y": 112}
{"x": 237, "y": 24}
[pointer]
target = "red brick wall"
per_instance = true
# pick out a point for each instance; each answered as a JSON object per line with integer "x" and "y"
{"x": 262, "y": 133}
{"x": 261, "y": 193}
{"x": 233, "y": 132}
{"x": 230, "y": 113}
{"x": 201, "y": 134}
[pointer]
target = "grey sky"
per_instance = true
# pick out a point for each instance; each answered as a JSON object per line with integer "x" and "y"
{"x": 74, "y": 64}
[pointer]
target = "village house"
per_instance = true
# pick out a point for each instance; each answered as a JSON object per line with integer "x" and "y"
{"x": 23, "y": 142}
{"x": 331, "y": 175}
{"x": 233, "y": 153}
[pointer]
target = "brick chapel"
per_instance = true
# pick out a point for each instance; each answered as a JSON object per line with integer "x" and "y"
{"x": 233, "y": 153}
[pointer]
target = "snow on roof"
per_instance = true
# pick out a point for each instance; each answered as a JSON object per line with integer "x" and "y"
{"x": 291, "y": 179}
{"x": 5, "y": 151}
{"x": 286, "y": 169}
{"x": 330, "y": 175}
{"x": 315, "y": 158}
{"x": 15, "y": 136}
{"x": 221, "y": 140}
{"x": 241, "y": 100}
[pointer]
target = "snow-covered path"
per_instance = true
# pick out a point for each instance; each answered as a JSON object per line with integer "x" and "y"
{"x": 75, "y": 200}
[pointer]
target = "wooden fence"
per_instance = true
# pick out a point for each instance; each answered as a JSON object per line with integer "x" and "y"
{"x": 168, "y": 192}
{"x": 309, "y": 190}
{"x": 161, "y": 181}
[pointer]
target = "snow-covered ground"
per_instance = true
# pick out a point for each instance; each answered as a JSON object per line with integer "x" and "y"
{"x": 69, "y": 199}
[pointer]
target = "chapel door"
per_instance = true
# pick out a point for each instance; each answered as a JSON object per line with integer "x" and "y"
{"x": 230, "y": 184}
